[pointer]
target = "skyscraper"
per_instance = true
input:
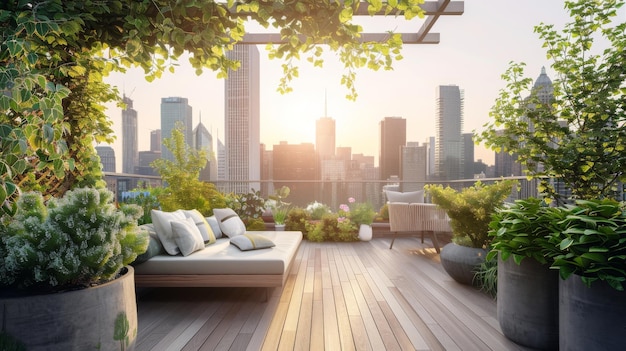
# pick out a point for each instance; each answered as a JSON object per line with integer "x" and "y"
{"x": 242, "y": 120}
{"x": 107, "y": 158}
{"x": 449, "y": 143}
{"x": 392, "y": 138}
{"x": 325, "y": 138}
{"x": 413, "y": 167}
{"x": 155, "y": 140}
{"x": 130, "y": 150}
{"x": 468, "y": 156}
{"x": 203, "y": 140}
{"x": 175, "y": 110}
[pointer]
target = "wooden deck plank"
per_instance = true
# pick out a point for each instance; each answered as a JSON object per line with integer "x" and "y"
{"x": 337, "y": 296}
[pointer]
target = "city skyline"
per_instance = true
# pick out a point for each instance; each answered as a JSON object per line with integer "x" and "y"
{"x": 473, "y": 53}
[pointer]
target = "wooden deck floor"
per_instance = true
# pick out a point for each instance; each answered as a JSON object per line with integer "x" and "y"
{"x": 339, "y": 296}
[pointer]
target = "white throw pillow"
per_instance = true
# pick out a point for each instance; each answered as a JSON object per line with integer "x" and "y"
{"x": 230, "y": 223}
{"x": 163, "y": 228}
{"x": 205, "y": 229}
{"x": 187, "y": 236}
{"x": 215, "y": 226}
{"x": 411, "y": 197}
{"x": 247, "y": 242}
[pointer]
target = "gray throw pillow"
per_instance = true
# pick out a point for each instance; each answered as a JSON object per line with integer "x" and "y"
{"x": 248, "y": 242}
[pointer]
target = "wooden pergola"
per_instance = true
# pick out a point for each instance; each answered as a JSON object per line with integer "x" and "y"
{"x": 433, "y": 9}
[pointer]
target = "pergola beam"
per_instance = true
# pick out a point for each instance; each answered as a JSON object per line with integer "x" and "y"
{"x": 433, "y": 10}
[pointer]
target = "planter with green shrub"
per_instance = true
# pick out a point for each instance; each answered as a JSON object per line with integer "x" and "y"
{"x": 470, "y": 212}
{"x": 527, "y": 289}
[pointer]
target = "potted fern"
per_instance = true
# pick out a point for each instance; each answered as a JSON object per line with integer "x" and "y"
{"x": 470, "y": 212}
{"x": 65, "y": 282}
{"x": 522, "y": 241}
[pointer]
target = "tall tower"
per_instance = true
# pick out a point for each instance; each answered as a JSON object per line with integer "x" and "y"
{"x": 130, "y": 150}
{"x": 325, "y": 138}
{"x": 392, "y": 138}
{"x": 242, "y": 120}
{"x": 449, "y": 143}
{"x": 203, "y": 140}
{"x": 175, "y": 110}
{"x": 468, "y": 156}
{"x": 414, "y": 166}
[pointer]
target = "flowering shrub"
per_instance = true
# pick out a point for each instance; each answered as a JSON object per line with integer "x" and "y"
{"x": 359, "y": 213}
{"x": 332, "y": 228}
{"x": 78, "y": 240}
{"x": 317, "y": 210}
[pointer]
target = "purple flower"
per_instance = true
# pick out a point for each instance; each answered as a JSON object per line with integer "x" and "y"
{"x": 344, "y": 207}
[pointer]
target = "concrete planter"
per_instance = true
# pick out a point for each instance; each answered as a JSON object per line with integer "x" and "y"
{"x": 591, "y": 318}
{"x": 103, "y": 318}
{"x": 528, "y": 303}
{"x": 461, "y": 262}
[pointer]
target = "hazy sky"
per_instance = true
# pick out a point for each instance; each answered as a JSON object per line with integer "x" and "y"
{"x": 474, "y": 51}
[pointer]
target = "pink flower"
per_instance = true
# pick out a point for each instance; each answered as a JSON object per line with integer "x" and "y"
{"x": 351, "y": 200}
{"x": 341, "y": 219}
{"x": 344, "y": 207}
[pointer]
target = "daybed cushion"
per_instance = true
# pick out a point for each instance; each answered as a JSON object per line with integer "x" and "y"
{"x": 154, "y": 245}
{"x": 224, "y": 258}
{"x": 215, "y": 226}
{"x": 251, "y": 241}
{"x": 163, "y": 227}
{"x": 410, "y": 197}
{"x": 205, "y": 229}
{"x": 229, "y": 221}
{"x": 187, "y": 235}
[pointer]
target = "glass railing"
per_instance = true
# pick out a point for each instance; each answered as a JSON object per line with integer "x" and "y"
{"x": 331, "y": 193}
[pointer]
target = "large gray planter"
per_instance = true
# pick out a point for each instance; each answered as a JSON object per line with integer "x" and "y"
{"x": 461, "y": 262}
{"x": 528, "y": 303}
{"x": 99, "y": 318}
{"x": 591, "y": 318}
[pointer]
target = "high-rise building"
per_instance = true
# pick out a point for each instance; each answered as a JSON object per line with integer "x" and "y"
{"x": 221, "y": 163}
{"x": 468, "y": 156}
{"x": 506, "y": 164}
{"x": 175, "y": 111}
{"x": 325, "y": 138}
{"x": 155, "y": 140}
{"x": 295, "y": 162}
{"x": 413, "y": 167}
{"x": 203, "y": 140}
{"x": 242, "y": 121}
{"x": 130, "y": 149}
{"x": 392, "y": 138}
{"x": 107, "y": 158}
{"x": 449, "y": 144}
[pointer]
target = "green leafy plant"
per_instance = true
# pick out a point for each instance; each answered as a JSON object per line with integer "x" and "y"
{"x": 470, "y": 209}
{"x": 524, "y": 229}
{"x": 279, "y": 207}
{"x": 183, "y": 188}
{"x": 147, "y": 199}
{"x": 280, "y": 214}
{"x": 317, "y": 210}
{"x": 362, "y": 213}
{"x": 75, "y": 241}
{"x": 332, "y": 228}
{"x": 575, "y": 133}
{"x": 487, "y": 277}
{"x": 247, "y": 206}
{"x": 592, "y": 242}
{"x": 297, "y": 220}
{"x": 383, "y": 213}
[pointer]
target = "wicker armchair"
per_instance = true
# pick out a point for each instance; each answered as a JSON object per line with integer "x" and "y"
{"x": 419, "y": 218}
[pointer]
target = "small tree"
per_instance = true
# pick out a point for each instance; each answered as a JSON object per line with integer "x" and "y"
{"x": 183, "y": 188}
{"x": 578, "y": 136}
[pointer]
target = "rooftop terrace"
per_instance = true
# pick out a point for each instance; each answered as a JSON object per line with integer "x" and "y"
{"x": 339, "y": 296}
